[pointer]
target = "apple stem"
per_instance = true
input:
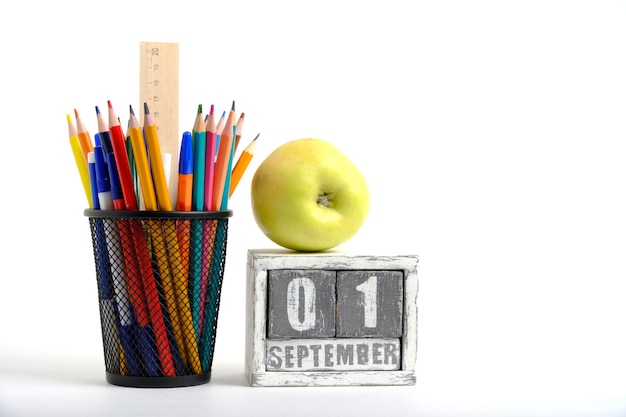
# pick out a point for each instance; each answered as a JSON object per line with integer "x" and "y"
{"x": 324, "y": 200}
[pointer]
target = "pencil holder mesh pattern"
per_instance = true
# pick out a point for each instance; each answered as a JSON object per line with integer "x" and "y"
{"x": 159, "y": 277}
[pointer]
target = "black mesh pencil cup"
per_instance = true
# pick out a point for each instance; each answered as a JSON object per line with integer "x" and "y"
{"x": 159, "y": 277}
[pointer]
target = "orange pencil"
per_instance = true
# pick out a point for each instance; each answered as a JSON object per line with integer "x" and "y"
{"x": 83, "y": 136}
{"x": 223, "y": 157}
{"x": 242, "y": 164}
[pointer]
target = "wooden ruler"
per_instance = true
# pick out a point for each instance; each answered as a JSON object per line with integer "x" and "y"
{"x": 158, "y": 86}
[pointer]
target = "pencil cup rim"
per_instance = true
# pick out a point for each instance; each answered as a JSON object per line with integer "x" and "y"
{"x": 165, "y": 215}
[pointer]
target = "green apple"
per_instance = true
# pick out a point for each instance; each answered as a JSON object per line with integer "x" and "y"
{"x": 309, "y": 196}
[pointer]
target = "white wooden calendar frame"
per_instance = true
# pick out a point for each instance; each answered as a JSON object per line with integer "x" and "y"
{"x": 260, "y": 261}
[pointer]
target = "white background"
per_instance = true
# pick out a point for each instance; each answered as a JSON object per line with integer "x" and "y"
{"x": 492, "y": 135}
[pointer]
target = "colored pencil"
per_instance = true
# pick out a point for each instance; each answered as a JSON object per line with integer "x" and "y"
{"x": 133, "y": 167}
{"x": 199, "y": 155}
{"x": 218, "y": 132}
{"x": 221, "y": 166}
{"x": 242, "y": 164}
{"x": 229, "y": 168}
{"x": 133, "y": 275}
{"x": 103, "y": 131}
{"x": 239, "y": 130}
{"x": 141, "y": 246}
{"x": 83, "y": 136}
{"x": 156, "y": 160}
{"x": 211, "y": 147}
{"x": 156, "y": 234}
{"x": 171, "y": 239}
{"x": 207, "y": 231}
{"x": 196, "y": 276}
{"x": 118, "y": 142}
{"x": 81, "y": 162}
{"x": 141, "y": 162}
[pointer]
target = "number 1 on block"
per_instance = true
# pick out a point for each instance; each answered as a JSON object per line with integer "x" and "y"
{"x": 369, "y": 290}
{"x": 369, "y": 303}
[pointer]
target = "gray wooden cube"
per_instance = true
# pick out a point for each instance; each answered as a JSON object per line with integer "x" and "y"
{"x": 369, "y": 303}
{"x": 301, "y": 303}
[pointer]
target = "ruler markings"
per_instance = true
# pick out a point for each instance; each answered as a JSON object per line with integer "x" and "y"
{"x": 158, "y": 81}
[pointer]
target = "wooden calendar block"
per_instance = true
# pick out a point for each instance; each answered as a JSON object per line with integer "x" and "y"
{"x": 330, "y": 318}
{"x": 301, "y": 303}
{"x": 369, "y": 303}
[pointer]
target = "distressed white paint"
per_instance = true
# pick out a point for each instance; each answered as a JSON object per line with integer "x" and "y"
{"x": 262, "y": 261}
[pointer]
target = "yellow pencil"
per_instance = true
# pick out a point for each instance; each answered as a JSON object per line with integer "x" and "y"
{"x": 156, "y": 160}
{"x": 171, "y": 240}
{"x": 242, "y": 164}
{"x": 81, "y": 163}
{"x": 156, "y": 233}
{"x": 141, "y": 162}
{"x": 162, "y": 256}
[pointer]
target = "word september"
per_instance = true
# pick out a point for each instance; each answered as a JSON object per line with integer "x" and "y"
{"x": 333, "y": 354}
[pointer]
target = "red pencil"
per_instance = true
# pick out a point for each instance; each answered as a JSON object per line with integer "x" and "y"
{"x": 141, "y": 246}
{"x": 118, "y": 141}
{"x": 209, "y": 160}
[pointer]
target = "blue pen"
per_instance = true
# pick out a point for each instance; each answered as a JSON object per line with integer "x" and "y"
{"x": 91, "y": 166}
{"x": 105, "y": 285}
{"x": 121, "y": 309}
{"x": 116, "y": 186}
{"x": 102, "y": 180}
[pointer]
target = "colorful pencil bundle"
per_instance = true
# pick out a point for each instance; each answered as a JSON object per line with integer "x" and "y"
{"x": 157, "y": 277}
{"x": 202, "y": 186}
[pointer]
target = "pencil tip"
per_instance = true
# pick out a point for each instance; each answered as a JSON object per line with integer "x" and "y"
{"x": 76, "y": 113}
{"x": 109, "y": 104}
{"x": 130, "y": 106}
{"x": 212, "y": 107}
{"x": 233, "y": 108}
{"x": 97, "y": 110}
{"x": 199, "y": 108}
{"x": 256, "y": 137}
{"x": 69, "y": 119}
{"x": 146, "y": 110}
